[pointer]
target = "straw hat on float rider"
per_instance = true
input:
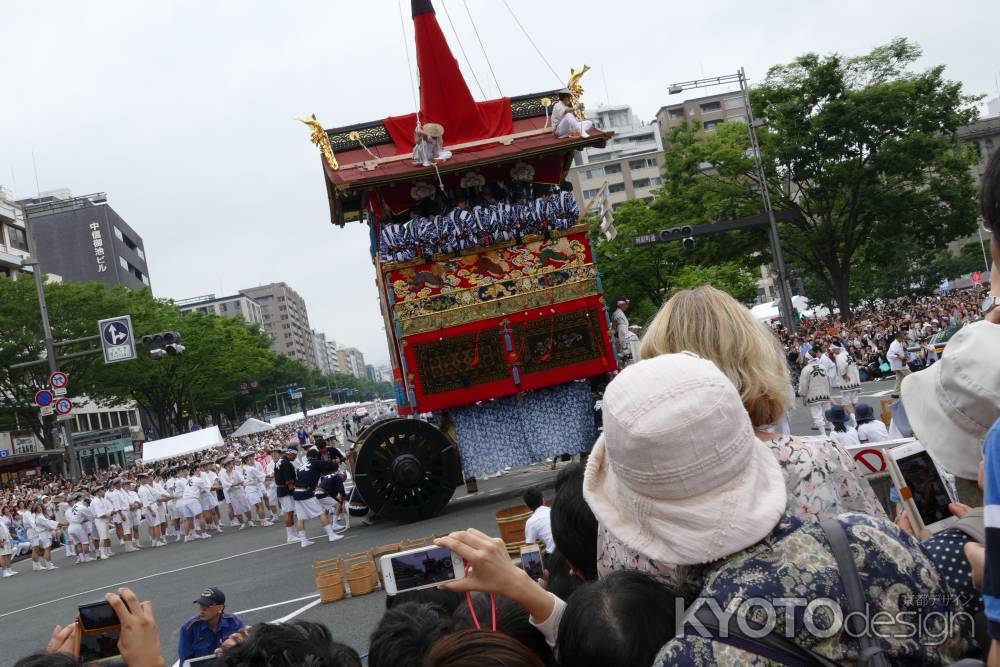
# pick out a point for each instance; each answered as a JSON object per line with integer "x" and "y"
{"x": 952, "y": 404}
{"x": 678, "y": 474}
{"x": 433, "y": 130}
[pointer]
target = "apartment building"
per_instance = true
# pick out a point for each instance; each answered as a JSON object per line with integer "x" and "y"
{"x": 351, "y": 361}
{"x": 629, "y": 164}
{"x": 285, "y": 321}
{"x": 238, "y": 306}
{"x": 709, "y": 111}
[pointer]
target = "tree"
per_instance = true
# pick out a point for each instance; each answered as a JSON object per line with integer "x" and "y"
{"x": 650, "y": 275}
{"x": 74, "y": 310}
{"x": 864, "y": 148}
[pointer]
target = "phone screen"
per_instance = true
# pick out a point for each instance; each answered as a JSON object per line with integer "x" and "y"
{"x": 531, "y": 561}
{"x": 97, "y": 647}
{"x": 97, "y": 615}
{"x": 422, "y": 568}
{"x": 929, "y": 493}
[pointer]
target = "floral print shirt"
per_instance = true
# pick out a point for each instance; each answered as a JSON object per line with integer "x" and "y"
{"x": 795, "y": 562}
{"x": 821, "y": 482}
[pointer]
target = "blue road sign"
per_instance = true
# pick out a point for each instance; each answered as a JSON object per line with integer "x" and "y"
{"x": 43, "y": 398}
{"x": 117, "y": 339}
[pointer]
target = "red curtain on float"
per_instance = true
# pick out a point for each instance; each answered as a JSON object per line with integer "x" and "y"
{"x": 444, "y": 96}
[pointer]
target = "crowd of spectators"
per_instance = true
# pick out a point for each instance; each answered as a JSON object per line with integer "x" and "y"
{"x": 871, "y": 330}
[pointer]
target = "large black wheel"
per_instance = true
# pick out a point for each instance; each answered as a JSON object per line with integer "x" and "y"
{"x": 406, "y": 469}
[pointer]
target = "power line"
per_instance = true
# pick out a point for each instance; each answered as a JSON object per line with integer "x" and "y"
{"x": 532, "y": 42}
{"x": 462, "y": 49}
{"x": 483, "y": 47}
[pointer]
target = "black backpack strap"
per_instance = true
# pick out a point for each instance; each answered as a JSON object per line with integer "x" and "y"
{"x": 871, "y": 653}
{"x": 773, "y": 645}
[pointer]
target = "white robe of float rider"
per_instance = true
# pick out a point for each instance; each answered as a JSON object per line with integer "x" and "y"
{"x": 564, "y": 120}
{"x": 619, "y": 327}
{"x": 428, "y": 144}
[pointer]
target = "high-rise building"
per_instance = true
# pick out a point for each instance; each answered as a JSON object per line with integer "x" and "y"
{"x": 629, "y": 164}
{"x": 351, "y": 361}
{"x": 331, "y": 355}
{"x": 83, "y": 239}
{"x": 322, "y": 352}
{"x": 236, "y": 306}
{"x": 285, "y": 321}
{"x": 709, "y": 111}
{"x": 13, "y": 242}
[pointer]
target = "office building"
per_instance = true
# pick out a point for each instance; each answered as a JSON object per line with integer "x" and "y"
{"x": 351, "y": 361}
{"x": 236, "y": 306}
{"x": 709, "y": 111}
{"x": 13, "y": 242}
{"x": 984, "y": 136}
{"x": 83, "y": 239}
{"x": 286, "y": 321}
{"x": 629, "y": 164}
{"x": 322, "y": 352}
{"x": 102, "y": 436}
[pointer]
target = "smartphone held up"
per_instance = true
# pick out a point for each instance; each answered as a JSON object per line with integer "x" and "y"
{"x": 923, "y": 491}
{"x": 425, "y": 567}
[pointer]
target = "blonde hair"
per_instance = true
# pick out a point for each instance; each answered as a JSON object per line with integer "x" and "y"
{"x": 715, "y": 326}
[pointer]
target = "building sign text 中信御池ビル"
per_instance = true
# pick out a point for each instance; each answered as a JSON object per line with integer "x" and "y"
{"x": 95, "y": 233}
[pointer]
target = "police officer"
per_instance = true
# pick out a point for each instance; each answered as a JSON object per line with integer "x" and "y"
{"x": 203, "y": 633}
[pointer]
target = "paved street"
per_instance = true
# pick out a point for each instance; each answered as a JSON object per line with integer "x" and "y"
{"x": 264, "y": 578}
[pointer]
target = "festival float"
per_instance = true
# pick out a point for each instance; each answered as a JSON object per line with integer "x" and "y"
{"x": 494, "y": 318}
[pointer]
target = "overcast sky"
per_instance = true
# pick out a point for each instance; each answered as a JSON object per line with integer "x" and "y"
{"x": 182, "y": 111}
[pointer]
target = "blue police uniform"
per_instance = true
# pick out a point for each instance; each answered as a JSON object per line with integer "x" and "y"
{"x": 197, "y": 639}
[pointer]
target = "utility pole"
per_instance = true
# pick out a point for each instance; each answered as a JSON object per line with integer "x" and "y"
{"x": 786, "y": 307}
{"x": 61, "y": 428}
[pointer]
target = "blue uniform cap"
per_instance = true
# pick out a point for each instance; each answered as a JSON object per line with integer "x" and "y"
{"x": 211, "y": 596}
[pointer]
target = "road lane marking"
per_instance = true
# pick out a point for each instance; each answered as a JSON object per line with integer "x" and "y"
{"x": 304, "y": 608}
{"x": 111, "y": 587}
{"x": 278, "y": 604}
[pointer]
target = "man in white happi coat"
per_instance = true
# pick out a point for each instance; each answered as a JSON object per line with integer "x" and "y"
{"x": 814, "y": 390}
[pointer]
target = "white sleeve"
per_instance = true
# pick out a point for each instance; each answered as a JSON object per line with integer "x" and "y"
{"x": 550, "y": 626}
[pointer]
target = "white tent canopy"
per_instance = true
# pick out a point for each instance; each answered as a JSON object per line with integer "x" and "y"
{"x": 251, "y": 426}
{"x": 179, "y": 445}
{"x": 296, "y": 416}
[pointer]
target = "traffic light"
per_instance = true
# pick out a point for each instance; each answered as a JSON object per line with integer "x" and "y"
{"x": 682, "y": 234}
{"x": 163, "y": 344}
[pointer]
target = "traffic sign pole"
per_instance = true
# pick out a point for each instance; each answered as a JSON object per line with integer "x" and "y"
{"x": 50, "y": 347}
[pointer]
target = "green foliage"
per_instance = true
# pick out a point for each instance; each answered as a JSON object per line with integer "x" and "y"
{"x": 221, "y": 353}
{"x": 864, "y": 148}
{"x": 650, "y": 275}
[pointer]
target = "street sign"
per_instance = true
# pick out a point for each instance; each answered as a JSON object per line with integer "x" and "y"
{"x": 295, "y": 394}
{"x": 64, "y": 406}
{"x": 117, "y": 339}
{"x": 4, "y": 453}
{"x": 65, "y": 418}
{"x": 48, "y": 410}
{"x": 58, "y": 380}
{"x": 43, "y": 398}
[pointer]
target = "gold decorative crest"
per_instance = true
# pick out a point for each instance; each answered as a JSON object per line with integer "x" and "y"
{"x": 319, "y": 137}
